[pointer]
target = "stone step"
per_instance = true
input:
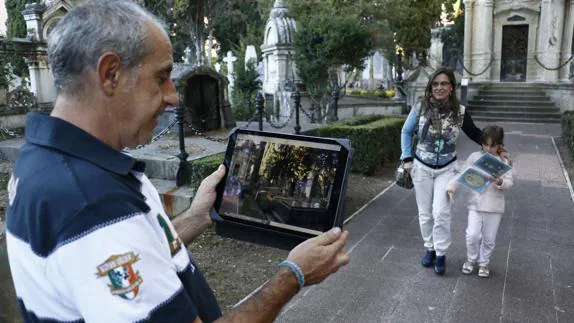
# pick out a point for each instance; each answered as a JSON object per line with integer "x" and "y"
{"x": 175, "y": 200}
{"x": 518, "y": 104}
{"x": 522, "y": 109}
{"x": 514, "y": 113}
{"x": 513, "y": 85}
{"x": 491, "y": 119}
{"x": 511, "y": 97}
{"x": 513, "y": 92}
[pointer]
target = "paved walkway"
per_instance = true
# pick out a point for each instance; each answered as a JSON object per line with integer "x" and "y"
{"x": 532, "y": 266}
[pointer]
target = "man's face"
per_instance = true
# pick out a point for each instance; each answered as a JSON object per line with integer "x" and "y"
{"x": 146, "y": 91}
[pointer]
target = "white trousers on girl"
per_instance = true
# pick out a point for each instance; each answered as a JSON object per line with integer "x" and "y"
{"x": 481, "y": 235}
{"x": 433, "y": 204}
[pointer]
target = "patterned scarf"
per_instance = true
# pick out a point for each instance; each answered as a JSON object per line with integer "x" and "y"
{"x": 435, "y": 112}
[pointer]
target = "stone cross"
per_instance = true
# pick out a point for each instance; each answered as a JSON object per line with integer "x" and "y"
{"x": 229, "y": 59}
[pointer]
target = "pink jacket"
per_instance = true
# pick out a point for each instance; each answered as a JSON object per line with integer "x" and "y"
{"x": 491, "y": 200}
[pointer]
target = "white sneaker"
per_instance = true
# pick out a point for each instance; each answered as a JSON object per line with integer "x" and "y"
{"x": 483, "y": 272}
{"x": 468, "y": 267}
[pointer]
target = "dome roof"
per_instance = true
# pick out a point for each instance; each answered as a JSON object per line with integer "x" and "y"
{"x": 280, "y": 27}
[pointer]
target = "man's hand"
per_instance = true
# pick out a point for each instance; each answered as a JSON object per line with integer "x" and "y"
{"x": 205, "y": 195}
{"x": 321, "y": 256}
{"x": 196, "y": 219}
{"x": 408, "y": 166}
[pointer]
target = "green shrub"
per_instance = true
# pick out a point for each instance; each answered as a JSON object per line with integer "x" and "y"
{"x": 375, "y": 143}
{"x": 568, "y": 130}
{"x": 202, "y": 167}
{"x": 390, "y": 93}
{"x": 360, "y": 120}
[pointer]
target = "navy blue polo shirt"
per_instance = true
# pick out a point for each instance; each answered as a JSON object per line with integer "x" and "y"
{"x": 88, "y": 238}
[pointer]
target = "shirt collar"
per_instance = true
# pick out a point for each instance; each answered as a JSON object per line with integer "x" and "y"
{"x": 45, "y": 130}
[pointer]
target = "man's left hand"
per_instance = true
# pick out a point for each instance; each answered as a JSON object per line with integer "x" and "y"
{"x": 206, "y": 193}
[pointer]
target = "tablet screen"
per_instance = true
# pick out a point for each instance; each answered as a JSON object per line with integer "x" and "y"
{"x": 283, "y": 182}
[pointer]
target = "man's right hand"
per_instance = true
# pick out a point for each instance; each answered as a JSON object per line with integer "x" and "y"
{"x": 321, "y": 256}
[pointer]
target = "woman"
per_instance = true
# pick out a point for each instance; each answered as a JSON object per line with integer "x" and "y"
{"x": 437, "y": 121}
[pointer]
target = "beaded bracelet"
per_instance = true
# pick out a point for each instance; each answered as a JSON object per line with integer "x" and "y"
{"x": 296, "y": 271}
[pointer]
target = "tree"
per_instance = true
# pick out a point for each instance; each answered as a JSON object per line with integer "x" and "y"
{"x": 16, "y": 28}
{"x": 246, "y": 84}
{"x": 323, "y": 43}
{"x": 241, "y": 20}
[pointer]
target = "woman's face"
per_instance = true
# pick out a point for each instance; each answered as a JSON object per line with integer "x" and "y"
{"x": 441, "y": 87}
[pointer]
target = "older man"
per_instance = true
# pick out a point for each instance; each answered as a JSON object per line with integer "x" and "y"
{"x": 88, "y": 238}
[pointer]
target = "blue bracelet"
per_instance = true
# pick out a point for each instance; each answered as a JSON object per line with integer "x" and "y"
{"x": 296, "y": 271}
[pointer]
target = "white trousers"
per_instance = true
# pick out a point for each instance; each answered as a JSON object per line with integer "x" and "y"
{"x": 481, "y": 235}
{"x": 433, "y": 204}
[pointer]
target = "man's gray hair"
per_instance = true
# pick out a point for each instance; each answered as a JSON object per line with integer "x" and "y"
{"x": 92, "y": 28}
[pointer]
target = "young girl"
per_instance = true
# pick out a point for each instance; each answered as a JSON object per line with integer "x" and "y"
{"x": 484, "y": 209}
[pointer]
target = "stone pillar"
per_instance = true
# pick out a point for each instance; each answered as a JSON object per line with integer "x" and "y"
{"x": 482, "y": 39}
{"x": 32, "y": 14}
{"x": 41, "y": 79}
{"x": 549, "y": 39}
{"x": 468, "y": 17}
{"x": 435, "y": 55}
{"x": 567, "y": 40}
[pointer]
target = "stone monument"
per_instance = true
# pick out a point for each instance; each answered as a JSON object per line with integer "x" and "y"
{"x": 277, "y": 49}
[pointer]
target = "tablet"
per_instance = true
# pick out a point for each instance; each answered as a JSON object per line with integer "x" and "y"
{"x": 281, "y": 189}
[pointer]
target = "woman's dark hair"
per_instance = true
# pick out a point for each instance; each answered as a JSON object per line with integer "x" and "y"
{"x": 452, "y": 102}
{"x": 494, "y": 133}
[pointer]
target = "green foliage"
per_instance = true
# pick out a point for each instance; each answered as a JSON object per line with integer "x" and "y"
{"x": 453, "y": 35}
{"x": 178, "y": 32}
{"x": 245, "y": 86}
{"x": 6, "y": 75}
{"x": 324, "y": 43}
{"x": 241, "y": 20}
{"x": 230, "y": 21}
{"x": 15, "y": 24}
{"x": 360, "y": 120}
{"x": 385, "y": 94}
{"x": 201, "y": 168}
{"x": 375, "y": 143}
{"x": 567, "y": 122}
{"x": 16, "y": 27}
{"x": 412, "y": 20}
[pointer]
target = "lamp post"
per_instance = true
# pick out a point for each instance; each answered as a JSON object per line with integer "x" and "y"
{"x": 335, "y": 96}
{"x": 259, "y": 106}
{"x": 297, "y": 98}
{"x": 184, "y": 172}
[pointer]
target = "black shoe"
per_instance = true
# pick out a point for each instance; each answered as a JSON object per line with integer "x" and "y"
{"x": 429, "y": 258}
{"x": 440, "y": 265}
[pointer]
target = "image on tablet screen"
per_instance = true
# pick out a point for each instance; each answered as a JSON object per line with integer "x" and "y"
{"x": 281, "y": 182}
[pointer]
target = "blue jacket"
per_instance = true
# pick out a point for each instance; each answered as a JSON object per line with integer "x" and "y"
{"x": 435, "y": 150}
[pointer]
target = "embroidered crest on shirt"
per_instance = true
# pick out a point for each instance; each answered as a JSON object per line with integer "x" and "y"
{"x": 12, "y": 187}
{"x": 125, "y": 280}
{"x": 173, "y": 240}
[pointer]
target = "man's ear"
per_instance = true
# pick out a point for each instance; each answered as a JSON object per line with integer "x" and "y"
{"x": 109, "y": 69}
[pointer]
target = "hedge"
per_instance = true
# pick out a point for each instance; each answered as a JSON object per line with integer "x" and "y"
{"x": 568, "y": 130}
{"x": 202, "y": 167}
{"x": 375, "y": 143}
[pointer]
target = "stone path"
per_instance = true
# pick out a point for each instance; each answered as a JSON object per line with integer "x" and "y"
{"x": 532, "y": 266}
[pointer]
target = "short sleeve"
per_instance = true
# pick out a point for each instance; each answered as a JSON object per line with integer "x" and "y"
{"x": 118, "y": 270}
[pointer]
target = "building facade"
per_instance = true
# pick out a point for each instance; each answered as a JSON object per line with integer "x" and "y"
{"x": 518, "y": 40}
